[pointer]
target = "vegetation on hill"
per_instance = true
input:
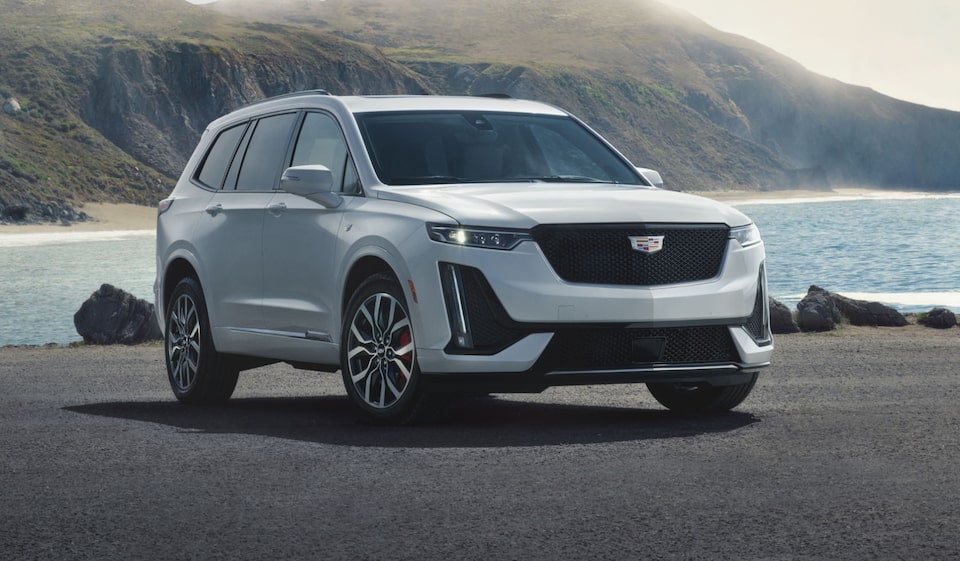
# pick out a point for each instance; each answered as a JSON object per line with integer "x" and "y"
{"x": 113, "y": 94}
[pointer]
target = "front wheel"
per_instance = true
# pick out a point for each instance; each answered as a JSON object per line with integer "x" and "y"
{"x": 198, "y": 373}
{"x": 378, "y": 355}
{"x": 701, "y": 398}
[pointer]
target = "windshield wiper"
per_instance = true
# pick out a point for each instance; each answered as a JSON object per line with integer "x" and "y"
{"x": 565, "y": 179}
{"x": 425, "y": 180}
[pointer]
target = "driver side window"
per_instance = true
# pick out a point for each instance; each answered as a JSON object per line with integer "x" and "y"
{"x": 320, "y": 142}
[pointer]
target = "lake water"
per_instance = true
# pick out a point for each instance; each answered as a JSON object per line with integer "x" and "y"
{"x": 900, "y": 249}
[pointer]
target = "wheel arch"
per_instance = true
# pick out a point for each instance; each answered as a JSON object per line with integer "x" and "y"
{"x": 362, "y": 269}
{"x": 179, "y": 268}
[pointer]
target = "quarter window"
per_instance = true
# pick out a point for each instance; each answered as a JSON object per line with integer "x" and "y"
{"x": 214, "y": 167}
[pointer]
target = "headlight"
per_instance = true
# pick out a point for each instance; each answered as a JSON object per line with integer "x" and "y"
{"x": 746, "y": 235}
{"x": 477, "y": 237}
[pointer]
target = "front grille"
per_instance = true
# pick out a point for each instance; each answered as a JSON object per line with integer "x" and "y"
{"x": 603, "y": 254}
{"x": 624, "y": 348}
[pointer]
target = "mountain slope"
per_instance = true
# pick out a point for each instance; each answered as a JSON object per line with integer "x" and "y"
{"x": 821, "y": 129}
{"x": 115, "y": 94}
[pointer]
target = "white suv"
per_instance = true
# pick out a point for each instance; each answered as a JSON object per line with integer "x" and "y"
{"x": 425, "y": 245}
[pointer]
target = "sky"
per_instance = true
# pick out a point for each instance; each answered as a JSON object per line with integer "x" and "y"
{"x": 905, "y": 49}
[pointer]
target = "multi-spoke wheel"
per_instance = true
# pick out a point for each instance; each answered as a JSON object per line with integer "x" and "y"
{"x": 701, "y": 398}
{"x": 197, "y": 372}
{"x": 378, "y": 353}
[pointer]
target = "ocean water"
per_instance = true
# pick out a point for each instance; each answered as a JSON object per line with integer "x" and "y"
{"x": 900, "y": 249}
{"x": 45, "y": 278}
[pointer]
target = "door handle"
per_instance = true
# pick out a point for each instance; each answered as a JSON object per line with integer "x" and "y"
{"x": 277, "y": 209}
{"x": 214, "y": 210}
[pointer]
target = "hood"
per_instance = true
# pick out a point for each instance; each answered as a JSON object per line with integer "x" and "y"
{"x": 525, "y": 205}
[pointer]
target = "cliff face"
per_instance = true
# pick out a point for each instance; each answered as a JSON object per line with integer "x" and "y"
{"x": 114, "y": 116}
{"x": 156, "y": 101}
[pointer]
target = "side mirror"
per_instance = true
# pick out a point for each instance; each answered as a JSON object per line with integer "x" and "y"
{"x": 652, "y": 176}
{"x": 313, "y": 182}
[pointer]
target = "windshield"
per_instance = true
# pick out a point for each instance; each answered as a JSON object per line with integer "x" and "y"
{"x": 472, "y": 147}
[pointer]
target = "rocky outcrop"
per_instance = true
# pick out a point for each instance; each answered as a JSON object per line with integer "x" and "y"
{"x": 111, "y": 316}
{"x": 11, "y": 106}
{"x": 939, "y": 318}
{"x": 821, "y": 310}
{"x": 29, "y": 210}
{"x": 781, "y": 320}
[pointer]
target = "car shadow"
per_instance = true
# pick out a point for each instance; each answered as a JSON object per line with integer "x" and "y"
{"x": 469, "y": 423}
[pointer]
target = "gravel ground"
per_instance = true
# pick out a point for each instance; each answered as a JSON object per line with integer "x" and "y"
{"x": 847, "y": 449}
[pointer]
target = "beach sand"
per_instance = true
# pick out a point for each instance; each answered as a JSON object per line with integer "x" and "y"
{"x": 103, "y": 217}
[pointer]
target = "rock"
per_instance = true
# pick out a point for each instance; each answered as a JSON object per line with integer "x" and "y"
{"x": 940, "y": 318}
{"x": 861, "y": 312}
{"x": 781, "y": 320}
{"x": 11, "y": 106}
{"x": 817, "y": 312}
{"x": 112, "y": 316}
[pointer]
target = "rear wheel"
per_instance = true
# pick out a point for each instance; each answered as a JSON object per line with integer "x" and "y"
{"x": 701, "y": 398}
{"x": 378, "y": 354}
{"x": 198, "y": 373}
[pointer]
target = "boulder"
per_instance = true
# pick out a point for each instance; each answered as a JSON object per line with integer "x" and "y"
{"x": 11, "y": 106}
{"x": 781, "y": 320}
{"x": 817, "y": 312}
{"x": 861, "y": 312}
{"x": 940, "y": 318}
{"x": 111, "y": 316}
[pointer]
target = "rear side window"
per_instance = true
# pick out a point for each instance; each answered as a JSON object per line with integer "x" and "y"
{"x": 260, "y": 170}
{"x": 214, "y": 167}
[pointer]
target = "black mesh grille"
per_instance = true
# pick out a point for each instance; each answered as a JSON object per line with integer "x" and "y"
{"x": 603, "y": 254}
{"x": 481, "y": 306}
{"x": 616, "y": 348}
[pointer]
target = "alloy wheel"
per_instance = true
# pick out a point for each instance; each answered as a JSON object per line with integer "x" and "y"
{"x": 381, "y": 355}
{"x": 183, "y": 342}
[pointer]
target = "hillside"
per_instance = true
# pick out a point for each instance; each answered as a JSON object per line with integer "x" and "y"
{"x": 638, "y": 69}
{"x": 114, "y": 94}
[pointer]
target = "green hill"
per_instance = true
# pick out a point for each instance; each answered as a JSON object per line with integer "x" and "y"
{"x": 114, "y": 94}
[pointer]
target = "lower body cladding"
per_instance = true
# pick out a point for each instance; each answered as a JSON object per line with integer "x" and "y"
{"x": 489, "y": 351}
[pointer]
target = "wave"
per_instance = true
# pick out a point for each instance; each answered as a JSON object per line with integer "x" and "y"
{"x": 62, "y": 238}
{"x": 845, "y": 196}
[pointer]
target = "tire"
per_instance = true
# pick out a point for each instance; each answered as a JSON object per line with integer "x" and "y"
{"x": 701, "y": 398}
{"x": 378, "y": 355}
{"x": 198, "y": 374}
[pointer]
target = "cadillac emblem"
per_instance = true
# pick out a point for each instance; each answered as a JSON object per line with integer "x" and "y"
{"x": 647, "y": 244}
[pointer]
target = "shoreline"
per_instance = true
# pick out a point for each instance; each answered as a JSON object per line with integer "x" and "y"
{"x": 107, "y": 217}
{"x": 104, "y": 217}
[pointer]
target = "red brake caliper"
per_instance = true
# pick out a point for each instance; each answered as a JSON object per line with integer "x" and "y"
{"x": 408, "y": 357}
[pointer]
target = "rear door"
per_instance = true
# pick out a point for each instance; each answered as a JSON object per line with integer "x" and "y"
{"x": 231, "y": 229}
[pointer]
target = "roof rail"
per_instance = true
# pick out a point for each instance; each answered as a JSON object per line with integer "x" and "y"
{"x": 494, "y": 95}
{"x": 286, "y": 95}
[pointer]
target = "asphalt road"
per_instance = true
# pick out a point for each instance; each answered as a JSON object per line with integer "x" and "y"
{"x": 847, "y": 449}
